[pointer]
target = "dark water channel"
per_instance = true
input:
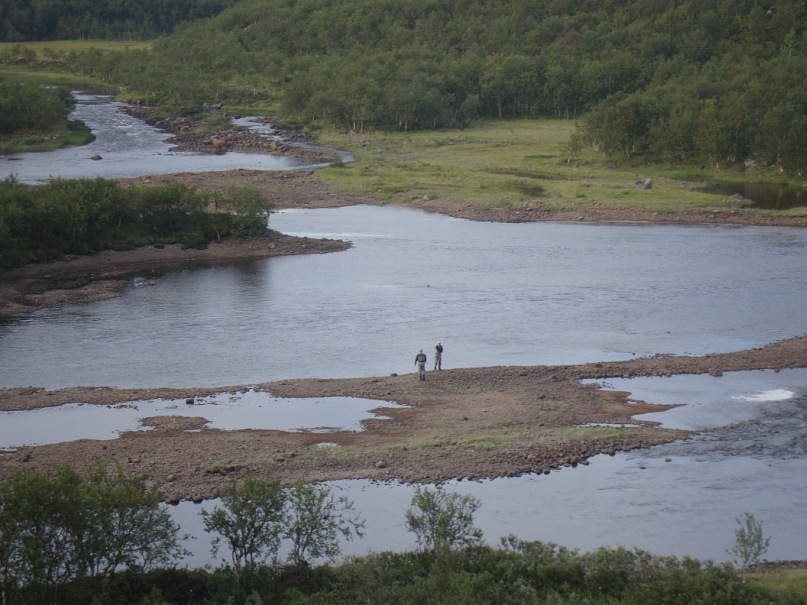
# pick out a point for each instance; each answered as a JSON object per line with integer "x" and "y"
{"x": 495, "y": 294}
{"x": 767, "y": 196}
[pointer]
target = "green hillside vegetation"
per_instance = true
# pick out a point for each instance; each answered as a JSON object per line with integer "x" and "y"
{"x": 514, "y": 164}
{"x": 33, "y": 20}
{"x": 670, "y": 80}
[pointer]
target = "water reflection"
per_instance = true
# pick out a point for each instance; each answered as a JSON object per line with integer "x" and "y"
{"x": 247, "y": 410}
{"x": 680, "y": 498}
{"x": 495, "y": 294}
{"x": 767, "y": 196}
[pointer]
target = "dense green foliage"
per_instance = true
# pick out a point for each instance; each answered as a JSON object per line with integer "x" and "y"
{"x": 97, "y": 538}
{"x": 531, "y": 573}
{"x": 32, "y": 20}
{"x": 41, "y": 223}
{"x": 32, "y": 107}
{"x": 712, "y": 80}
{"x": 73, "y": 527}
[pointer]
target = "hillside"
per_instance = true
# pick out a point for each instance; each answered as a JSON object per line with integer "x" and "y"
{"x": 691, "y": 81}
{"x": 37, "y": 20}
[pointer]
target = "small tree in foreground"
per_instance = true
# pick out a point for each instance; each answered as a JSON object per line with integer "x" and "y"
{"x": 315, "y": 519}
{"x": 248, "y": 521}
{"x": 255, "y": 514}
{"x": 750, "y": 542}
{"x": 443, "y": 520}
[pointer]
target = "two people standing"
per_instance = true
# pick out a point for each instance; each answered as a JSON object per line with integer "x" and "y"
{"x": 420, "y": 360}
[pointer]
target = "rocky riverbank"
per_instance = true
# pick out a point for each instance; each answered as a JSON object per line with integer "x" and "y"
{"x": 186, "y": 137}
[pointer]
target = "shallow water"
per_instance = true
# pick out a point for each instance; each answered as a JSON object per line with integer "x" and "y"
{"x": 229, "y": 412}
{"x": 128, "y": 149}
{"x": 709, "y": 402}
{"x": 677, "y": 499}
{"x": 768, "y": 196}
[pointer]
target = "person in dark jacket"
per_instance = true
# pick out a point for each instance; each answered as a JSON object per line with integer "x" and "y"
{"x": 420, "y": 362}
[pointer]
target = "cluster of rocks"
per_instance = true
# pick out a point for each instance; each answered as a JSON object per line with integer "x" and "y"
{"x": 186, "y": 137}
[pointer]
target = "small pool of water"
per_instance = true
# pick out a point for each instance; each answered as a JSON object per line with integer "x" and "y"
{"x": 230, "y": 412}
{"x": 767, "y": 196}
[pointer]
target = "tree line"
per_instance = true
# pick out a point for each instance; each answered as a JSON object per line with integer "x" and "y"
{"x": 25, "y": 107}
{"x": 683, "y": 80}
{"x": 85, "y": 216}
{"x": 103, "y": 537}
{"x": 37, "y": 20}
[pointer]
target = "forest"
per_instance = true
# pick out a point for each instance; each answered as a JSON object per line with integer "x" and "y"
{"x": 37, "y": 20}
{"x": 713, "y": 81}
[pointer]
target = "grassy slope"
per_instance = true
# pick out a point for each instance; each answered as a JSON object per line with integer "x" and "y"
{"x": 511, "y": 163}
{"x": 65, "y": 46}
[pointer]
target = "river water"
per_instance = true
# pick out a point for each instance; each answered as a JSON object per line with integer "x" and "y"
{"x": 128, "y": 148}
{"x": 495, "y": 294}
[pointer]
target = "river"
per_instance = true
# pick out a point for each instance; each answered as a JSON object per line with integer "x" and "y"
{"x": 495, "y": 294}
{"x": 128, "y": 148}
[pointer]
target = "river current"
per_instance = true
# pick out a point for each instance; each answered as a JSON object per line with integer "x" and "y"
{"x": 495, "y": 294}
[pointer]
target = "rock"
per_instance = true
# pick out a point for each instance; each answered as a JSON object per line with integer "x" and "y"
{"x": 381, "y": 464}
{"x": 96, "y": 157}
{"x": 190, "y": 400}
{"x": 644, "y": 184}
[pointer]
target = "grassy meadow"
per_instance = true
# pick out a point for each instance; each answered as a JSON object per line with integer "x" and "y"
{"x": 498, "y": 164}
{"x": 45, "y": 49}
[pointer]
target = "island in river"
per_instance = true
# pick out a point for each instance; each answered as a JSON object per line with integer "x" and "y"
{"x": 463, "y": 423}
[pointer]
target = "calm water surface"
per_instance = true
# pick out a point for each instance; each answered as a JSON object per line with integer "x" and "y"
{"x": 681, "y": 498}
{"x": 495, "y": 294}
